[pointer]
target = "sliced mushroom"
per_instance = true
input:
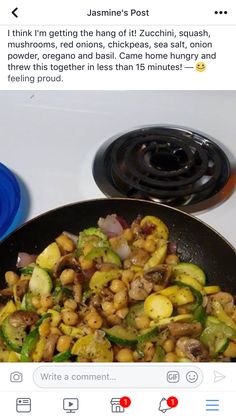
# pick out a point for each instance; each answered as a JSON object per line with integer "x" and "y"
{"x": 159, "y": 275}
{"x": 49, "y": 348}
{"x": 77, "y": 291}
{"x": 95, "y": 301}
{"x": 21, "y": 290}
{"x": 6, "y": 293}
{"x": 224, "y": 298}
{"x": 67, "y": 261}
{"x": 23, "y": 318}
{"x": 193, "y": 349}
{"x": 106, "y": 294}
{"x": 22, "y": 287}
{"x": 140, "y": 288}
{"x": 179, "y": 329}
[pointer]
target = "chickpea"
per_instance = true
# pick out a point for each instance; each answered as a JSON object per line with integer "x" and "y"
{"x": 67, "y": 276}
{"x": 117, "y": 285}
{"x": 172, "y": 260}
{"x": 171, "y": 357}
{"x": 64, "y": 343}
{"x": 108, "y": 307}
{"x": 122, "y": 313}
{"x": 55, "y": 331}
{"x": 128, "y": 234}
{"x": 179, "y": 353}
{"x": 65, "y": 243}
{"x": 168, "y": 345}
{"x": 87, "y": 248}
{"x": 140, "y": 243}
{"x": 127, "y": 276}
{"x": 149, "y": 351}
{"x": 46, "y": 301}
{"x": 36, "y": 301}
{"x": 11, "y": 278}
{"x": 230, "y": 350}
{"x": 94, "y": 320}
{"x": 142, "y": 322}
{"x": 70, "y": 304}
{"x": 70, "y": 318}
{"x": 113, "y": 241}
{"x": 125, "y": 355}
{"x": 150, "y": 245}
{"x": 85, "y": 263}
{"x": 41, "y": 311}
{"x": 120, "y": 299}
{"x": 44, "y": 328}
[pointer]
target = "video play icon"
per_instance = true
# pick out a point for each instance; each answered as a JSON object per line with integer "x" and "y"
{"x": 70, "y": 405}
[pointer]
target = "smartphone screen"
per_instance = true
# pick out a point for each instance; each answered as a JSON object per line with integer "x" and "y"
{"x": 117, "y": 209}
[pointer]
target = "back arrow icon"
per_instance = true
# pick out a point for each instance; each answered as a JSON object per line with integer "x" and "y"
{"x": 218, "y": 376}
{"x": 14, "y": 12}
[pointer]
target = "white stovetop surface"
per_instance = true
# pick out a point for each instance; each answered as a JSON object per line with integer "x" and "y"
{"x": 49, "y": 138}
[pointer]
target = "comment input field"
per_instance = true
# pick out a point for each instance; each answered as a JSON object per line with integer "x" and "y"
{"x": 117, "y": 376}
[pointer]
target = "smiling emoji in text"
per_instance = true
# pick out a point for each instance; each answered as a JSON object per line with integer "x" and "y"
{"x": 200, "y": 66}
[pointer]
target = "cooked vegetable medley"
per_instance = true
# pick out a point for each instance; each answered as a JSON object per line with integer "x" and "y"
{"x": 115, "y": 293}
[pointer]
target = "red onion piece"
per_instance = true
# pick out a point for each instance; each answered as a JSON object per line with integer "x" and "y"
{"x": 122, "y": 221}
{"x": 110, "y": 225}
{"x": 172, "y": 248}
{"x": 24, "y": 259}
{"x": 88, "y": 273}
{"x": 122, "y": 248}
{"x": 71, "y": 236}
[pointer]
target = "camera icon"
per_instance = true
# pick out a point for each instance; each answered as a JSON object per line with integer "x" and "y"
{"x": 16, "y": 377}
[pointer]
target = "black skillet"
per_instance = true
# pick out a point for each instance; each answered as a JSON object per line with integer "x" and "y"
{"x": 196, "y": 241}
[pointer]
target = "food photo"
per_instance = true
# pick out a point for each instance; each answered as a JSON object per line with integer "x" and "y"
{"x": 117, "y": 227}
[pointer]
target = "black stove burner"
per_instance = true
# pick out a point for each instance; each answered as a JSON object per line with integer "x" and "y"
{"x": 162, "y": 164}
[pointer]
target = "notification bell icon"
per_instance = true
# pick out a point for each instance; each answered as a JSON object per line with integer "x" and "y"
{"x": 163, "y": 406}
{"x": 167, "y": 404}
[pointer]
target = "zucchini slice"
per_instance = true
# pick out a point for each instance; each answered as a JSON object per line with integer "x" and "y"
{"x": 49, "y": 256}
{"x": 121, "y": 336}
{"x": 40, "y": 282}
{"x": 161, "y": 230}
{"x": 147, "y": 334}
{"x": 158, "y": 306}
{"x": 100, "y": 279}
{"x": 13, "y": 336}
{"x": 188, "y": 281}
{"x": 192, "y": 270}
{"x": 27, "y": 302}
{"x": 96, "y": 350}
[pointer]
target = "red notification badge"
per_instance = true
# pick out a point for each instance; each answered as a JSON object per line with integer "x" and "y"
{"x": 172, "y": 401}
{"x": 125, "y": 402}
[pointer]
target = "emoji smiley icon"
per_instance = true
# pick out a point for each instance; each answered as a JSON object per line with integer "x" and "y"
{"x": 200, "y": 66}
{"x": 192, "y": 377}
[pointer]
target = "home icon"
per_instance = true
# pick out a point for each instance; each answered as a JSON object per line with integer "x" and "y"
{"x": 116, "y": 407}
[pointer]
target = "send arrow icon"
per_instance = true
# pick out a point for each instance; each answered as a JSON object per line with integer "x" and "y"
{"x": 218, "y": 376}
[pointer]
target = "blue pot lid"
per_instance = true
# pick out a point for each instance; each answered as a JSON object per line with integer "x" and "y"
{"x": 9, "y": 198}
